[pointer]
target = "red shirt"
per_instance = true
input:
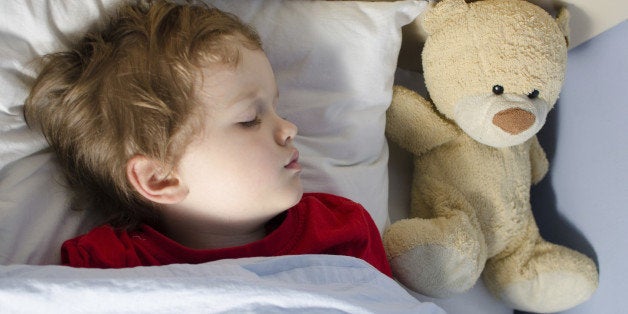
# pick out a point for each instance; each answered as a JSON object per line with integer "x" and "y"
{"x": 318, "y": 224}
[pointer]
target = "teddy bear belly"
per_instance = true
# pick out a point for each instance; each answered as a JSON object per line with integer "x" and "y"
{"x": 495, "y": 182}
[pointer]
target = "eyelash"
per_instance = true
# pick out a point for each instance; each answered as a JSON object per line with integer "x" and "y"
{"x": 252, "y": 123}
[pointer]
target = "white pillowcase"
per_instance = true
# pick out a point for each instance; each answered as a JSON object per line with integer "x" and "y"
{"x": 334, "y": 63}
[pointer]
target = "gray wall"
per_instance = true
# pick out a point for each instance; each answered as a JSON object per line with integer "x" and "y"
{"x": 583, "y": 203}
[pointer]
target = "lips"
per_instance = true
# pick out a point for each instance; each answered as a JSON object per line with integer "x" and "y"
{"x": 294, "y": 161}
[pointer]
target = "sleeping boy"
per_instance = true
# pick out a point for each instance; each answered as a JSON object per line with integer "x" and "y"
{"x": 165, "y": 121}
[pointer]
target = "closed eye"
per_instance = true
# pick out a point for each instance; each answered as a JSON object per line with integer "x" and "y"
{"x": 251, "y": 123}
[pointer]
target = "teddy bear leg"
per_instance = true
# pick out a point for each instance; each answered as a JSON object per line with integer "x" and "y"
{"x": 439, "y": 256}
{"x": 538, "y": 276}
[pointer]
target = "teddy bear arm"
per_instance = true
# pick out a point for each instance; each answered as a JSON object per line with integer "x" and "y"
{"x": 412, "y": 123}
{"x": 538, "y": 161}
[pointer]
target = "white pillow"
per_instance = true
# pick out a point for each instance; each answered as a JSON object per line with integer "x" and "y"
{"x": 334, "y": 62}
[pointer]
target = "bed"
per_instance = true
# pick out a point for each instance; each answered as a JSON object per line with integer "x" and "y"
{"x": 335, "y": 63}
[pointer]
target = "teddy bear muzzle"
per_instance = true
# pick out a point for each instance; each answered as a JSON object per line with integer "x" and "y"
{"x": 514, "y": 120}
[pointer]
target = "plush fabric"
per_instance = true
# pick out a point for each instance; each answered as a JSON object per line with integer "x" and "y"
{"x": 334, "y": 62}
{"x": 493, "y": 69}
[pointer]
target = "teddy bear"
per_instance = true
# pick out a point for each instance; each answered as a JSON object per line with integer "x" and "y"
{"x": 493, "y": 69}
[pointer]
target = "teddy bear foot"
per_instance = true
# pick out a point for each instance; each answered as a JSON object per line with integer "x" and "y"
{"x": 562, "y": 291}
{"x": 554, "y": 279}
{"x": 449, "y": 272}
{"x": 435, "y": 257}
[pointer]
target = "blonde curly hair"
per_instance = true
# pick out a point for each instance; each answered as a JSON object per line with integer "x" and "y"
{"x": 129, "y": 89}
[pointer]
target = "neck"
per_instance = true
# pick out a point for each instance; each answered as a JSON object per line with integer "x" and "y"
{"x": 200, "y": 234}
{"x": 200, "y": 240}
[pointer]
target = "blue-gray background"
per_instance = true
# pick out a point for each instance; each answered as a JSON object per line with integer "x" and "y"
{"x": 583, "y": 203}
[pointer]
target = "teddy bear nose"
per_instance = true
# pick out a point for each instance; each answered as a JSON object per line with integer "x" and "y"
{"x": 514, "y": 120}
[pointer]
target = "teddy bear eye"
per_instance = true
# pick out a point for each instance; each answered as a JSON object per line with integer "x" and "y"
{"x": 498, "y": 89}
{"x": 533, "y": 94}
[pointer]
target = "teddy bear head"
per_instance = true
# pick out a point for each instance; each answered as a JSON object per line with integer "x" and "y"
{"x": 494, "y": 67}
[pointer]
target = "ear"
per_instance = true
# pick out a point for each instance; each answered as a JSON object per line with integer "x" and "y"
{"x": 440, "y": 14}
{"x": 562, "y": 19}
{"x": 149, "y": 178}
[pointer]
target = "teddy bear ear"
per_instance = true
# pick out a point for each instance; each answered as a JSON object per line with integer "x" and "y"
{"x": 441, "y": 13}
{"x": 562, "y": 19}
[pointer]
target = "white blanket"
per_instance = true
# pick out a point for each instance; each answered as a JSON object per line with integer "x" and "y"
{"x": 287, "y": 284}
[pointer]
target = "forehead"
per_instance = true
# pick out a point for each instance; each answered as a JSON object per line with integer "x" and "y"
{"x": 224, "y": 84}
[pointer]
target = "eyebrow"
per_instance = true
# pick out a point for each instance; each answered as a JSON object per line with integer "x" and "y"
{"x": 241, "y": 97}
{"x": 252, "y": 95}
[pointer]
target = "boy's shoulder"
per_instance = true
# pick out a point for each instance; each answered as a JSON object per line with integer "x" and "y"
{"x": 329, "y": 200}
{"x": 328, "y": 205}
{"x": 102, "y": 247}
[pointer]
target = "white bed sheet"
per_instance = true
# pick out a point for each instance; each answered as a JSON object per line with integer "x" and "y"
{"x": 287, "y": 284}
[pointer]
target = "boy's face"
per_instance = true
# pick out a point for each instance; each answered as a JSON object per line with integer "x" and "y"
{"x": 242, "y": 169}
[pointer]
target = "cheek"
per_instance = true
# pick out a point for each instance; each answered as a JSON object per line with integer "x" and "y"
{"x": 252, "y": 159}
{"x": 255, "y": 149}
{"x": 234, "y": 161}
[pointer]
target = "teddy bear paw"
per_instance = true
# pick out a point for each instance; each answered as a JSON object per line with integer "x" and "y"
{"x": 435, "y": 270}
{"x": 554, "y": 278}
{"x": 436, "y": 257}
{"x": 549, "y": 292}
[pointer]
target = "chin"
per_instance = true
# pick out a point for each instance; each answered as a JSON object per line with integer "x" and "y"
{"x": 294, "y": 196}
{"x": 288, "y": 195}
{"x": 297, "y": 197}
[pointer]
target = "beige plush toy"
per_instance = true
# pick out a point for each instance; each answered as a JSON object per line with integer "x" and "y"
{"x": 493, "y": 69}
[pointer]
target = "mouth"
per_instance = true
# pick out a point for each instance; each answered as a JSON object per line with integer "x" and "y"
{"x": 294, "y": 161}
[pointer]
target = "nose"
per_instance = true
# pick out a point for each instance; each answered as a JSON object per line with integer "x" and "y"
{"x": 514, "y": 120}
{"x": 286, "y": 131}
